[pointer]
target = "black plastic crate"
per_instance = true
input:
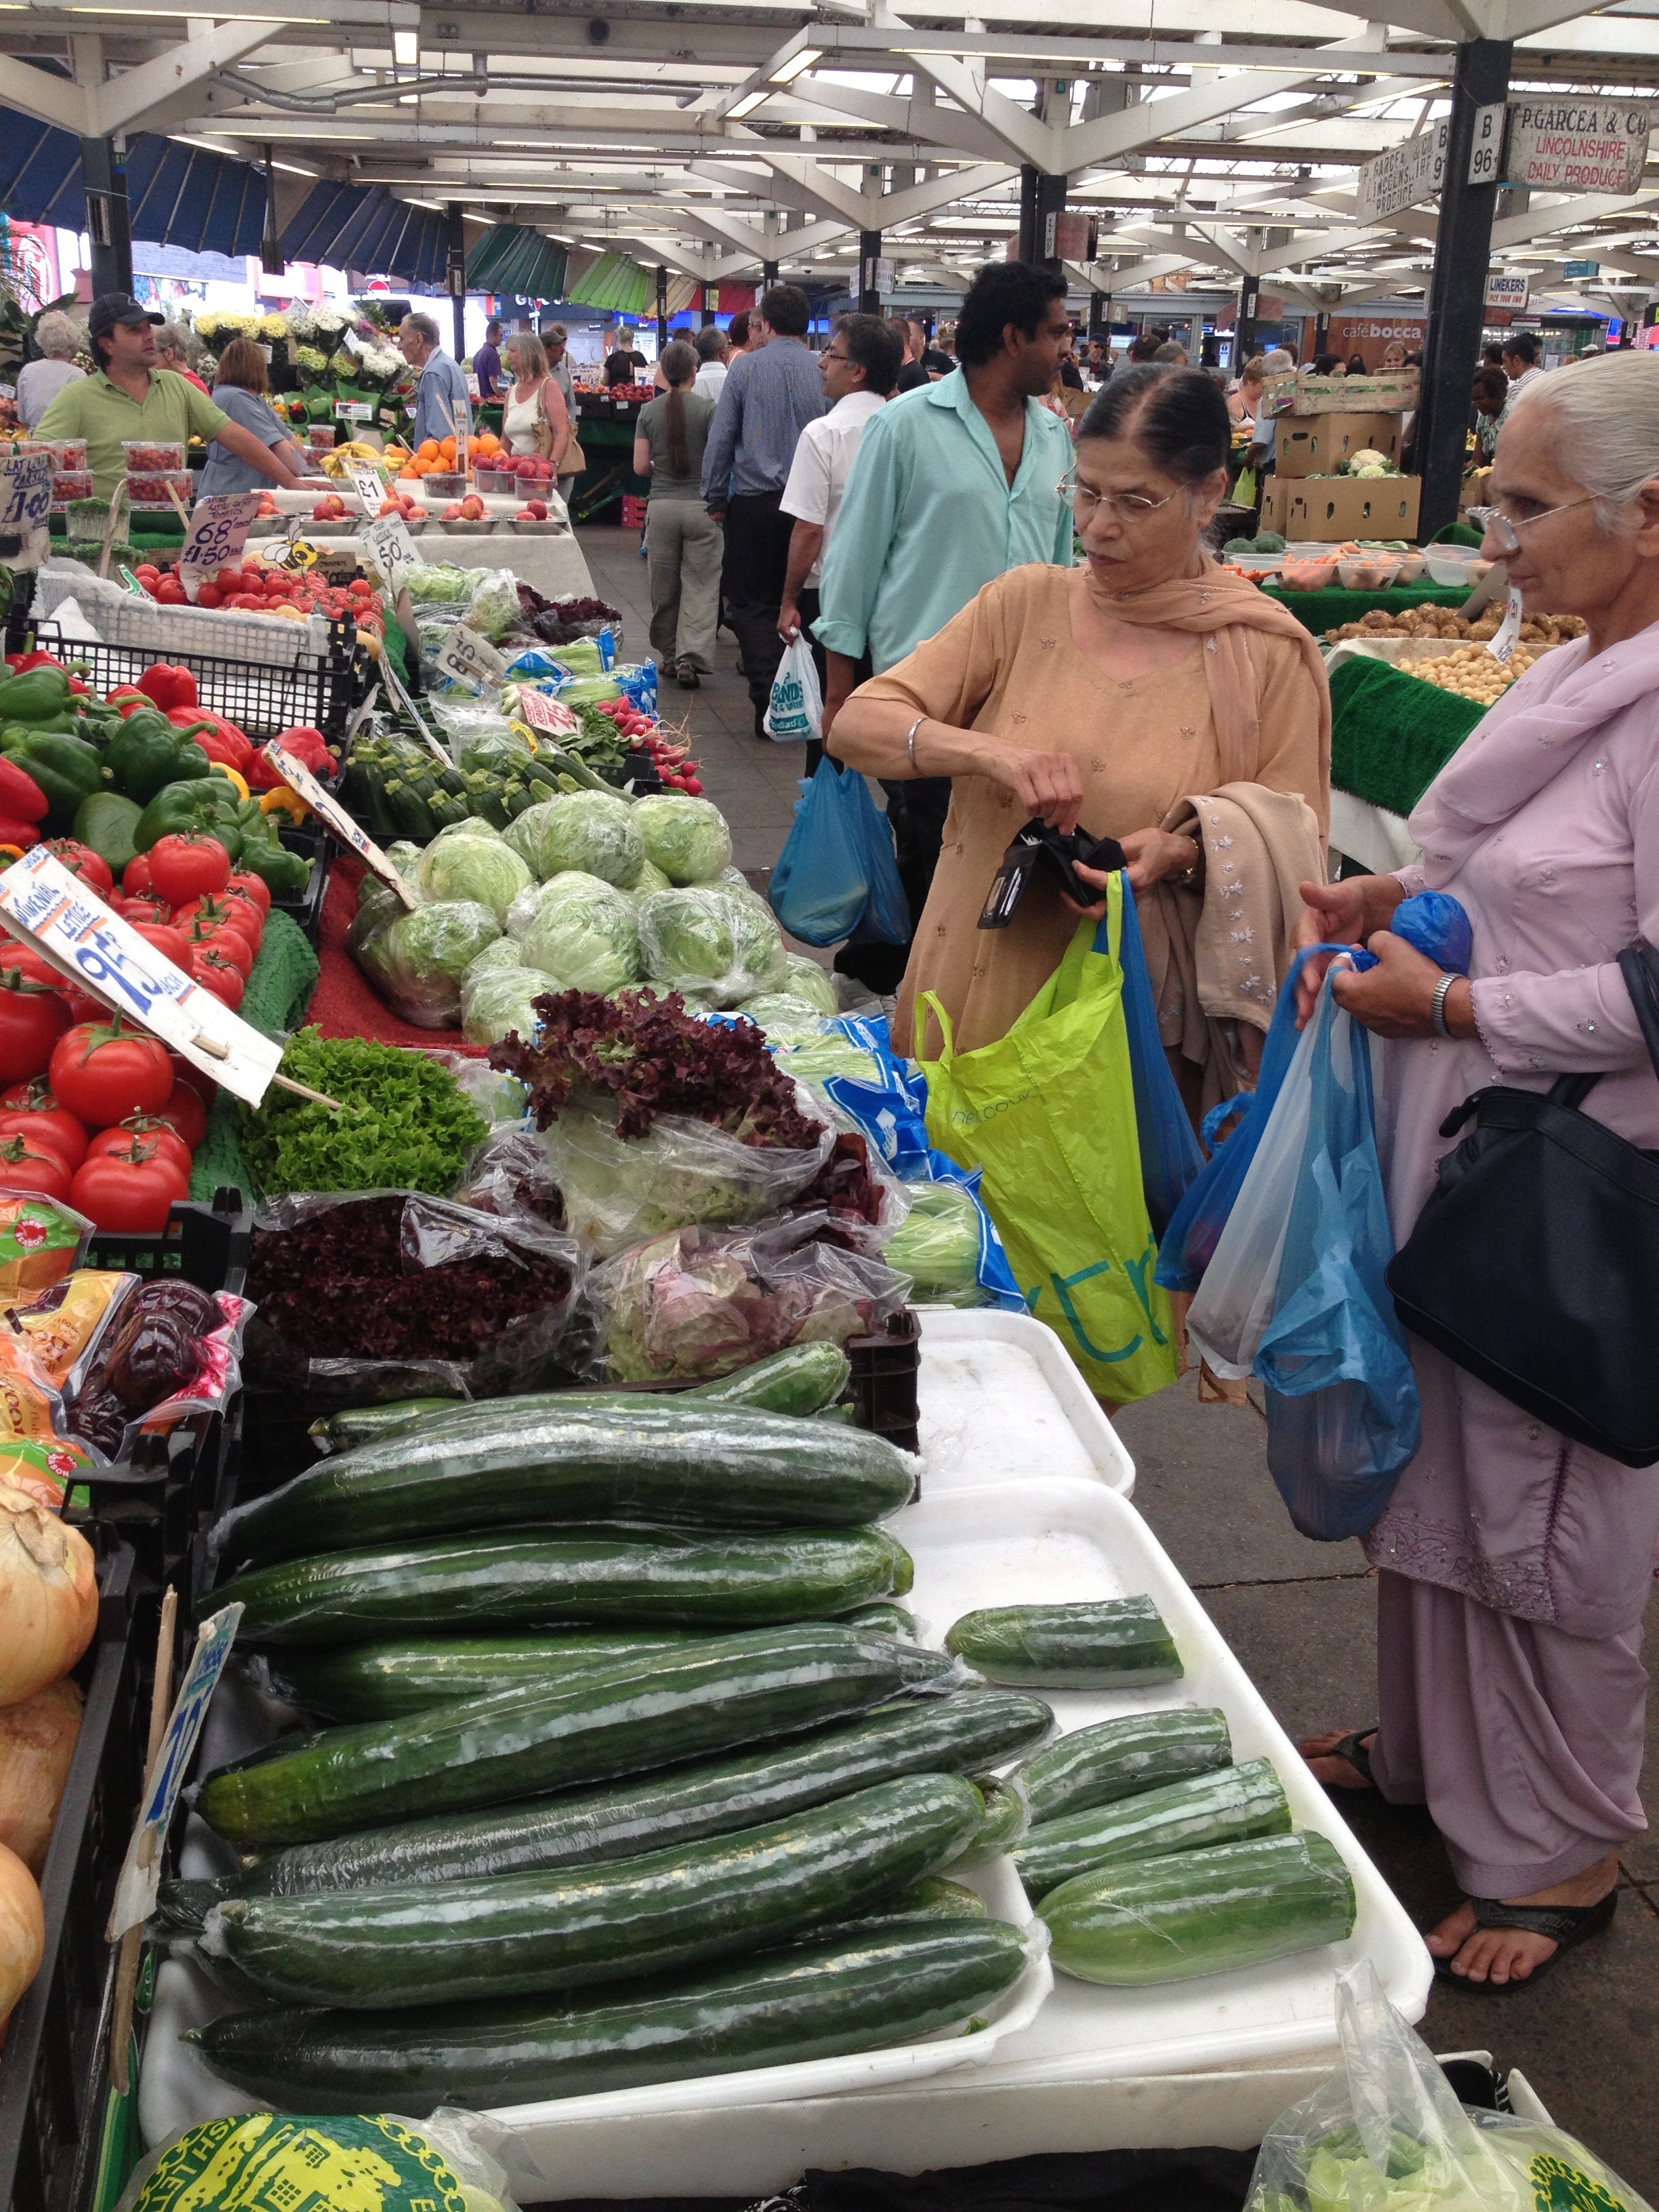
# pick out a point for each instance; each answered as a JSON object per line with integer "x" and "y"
{"x": 305, "y": 907}
{"x": 886, "y": 1367}
{"x": 207, "y": 1245}
{"x": 54, "y": 2067}
{"x": 262, "y": 698}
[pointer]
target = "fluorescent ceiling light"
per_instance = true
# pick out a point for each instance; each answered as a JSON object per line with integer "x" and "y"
{"x": 207, "y": 146}
{"x": 292, "y": 170}
{"x": 432, "y": 204}
{"x": 409, "y": 99}
{"x": 749, "y": 103}
{"x": 797, "y": 64}
{"x": 483, "y": 220}
{"x": 406, "y": 49}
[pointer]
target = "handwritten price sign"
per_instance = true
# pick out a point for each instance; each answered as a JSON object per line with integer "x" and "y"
{"x": 393, "y": 551}
{"x": 25, "y": 510}
{"x": 218, "y": 531}
{"x": 369, "y": 486}
{"x": 329, "y": 810}
{"x": 545, "y": 714}
{"x": 470, "y": 659}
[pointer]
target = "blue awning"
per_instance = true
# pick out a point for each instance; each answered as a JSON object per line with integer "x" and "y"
{"x": 362, "y": 227}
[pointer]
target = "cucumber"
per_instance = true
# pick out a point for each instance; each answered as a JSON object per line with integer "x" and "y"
{"x": 1117, "y": 1758}
{"x": 1007, "y": 1820}
{"x": 523, "y": 1935}
{"x": 1110, "y": 1644}
{"x": 617, "y": 1820}
{"x": 363, "y": 1425}
{"x": 646, "y": 1459}
{"x": 1201, "y": 1912}
{"x": 622, "y": 1718}
{"x": 612, "y": 1573}
{"x": 1227, "y": 1807}
{"x": 809, "y": 2001}
{"x": 935, "y": 1899}
{"x": 799, "y": 1380}
{"x": 380, "y": 1681}
{"x": 890, "y": 1620}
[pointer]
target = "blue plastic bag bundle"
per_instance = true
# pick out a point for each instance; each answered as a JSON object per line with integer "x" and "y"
{"x": 638, "y": 684}
{"x": 837, "y": 869}
{"x": 1170, "y": 1155}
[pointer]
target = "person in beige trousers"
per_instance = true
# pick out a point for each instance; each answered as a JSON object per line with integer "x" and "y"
{"x": 683, "y": 544}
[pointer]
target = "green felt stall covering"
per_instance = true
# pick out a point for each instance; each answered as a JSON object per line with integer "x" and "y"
{"x": 1330, "y": 609}
{"x": 1392, "y": 734}
{"x": 278, "y": 991}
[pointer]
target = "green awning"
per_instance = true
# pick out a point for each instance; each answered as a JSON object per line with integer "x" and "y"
{"x": 517, "y": 260}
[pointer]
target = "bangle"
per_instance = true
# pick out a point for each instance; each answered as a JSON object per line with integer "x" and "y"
{"x": 910, "y": 742}
{"x": 1438, "y": 1009}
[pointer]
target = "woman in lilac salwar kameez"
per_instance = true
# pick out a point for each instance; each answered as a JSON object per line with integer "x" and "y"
{"x": 1514, "y": 1566}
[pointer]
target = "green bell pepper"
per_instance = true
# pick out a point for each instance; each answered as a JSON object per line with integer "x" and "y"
{"x": 67, "y": 770}
{"x": 280, "y": 870}
{"x": 179, "y": 808}
{"x": 36, "y": 696}
{"x": 148, "y": 754}
{"x": 105, "y": 823}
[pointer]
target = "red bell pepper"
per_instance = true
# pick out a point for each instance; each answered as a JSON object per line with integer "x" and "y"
{"x": 21, "y": 799}
{"x": 220, "y": 740}
{"x": 21, "y": 663}
{"x": 259, "y": 776}
{"x": 309, "y": 747}
{"x": 21, "y": 833}
{"x": 165, "y": 685}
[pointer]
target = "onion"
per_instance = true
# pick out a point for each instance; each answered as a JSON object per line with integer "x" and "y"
{"x": 23, "y": 1932}
{"x": 37, "y": 1742}
{"x": 48, "y": 1596}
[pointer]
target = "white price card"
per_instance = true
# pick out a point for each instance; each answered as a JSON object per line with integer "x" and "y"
{"x": 45, "y": 905}
{"x": 369, "y": 485}
{"x": 25, "y": 510}
{"x": 141, "y": 1871}
{"x": 470, "y": 659}
{"x": 545, "y": 714}
{"x": 393, "y": 551}
{"x": 1509, "y": 630}
{"x": 218, "y": 530}
{"x": 328, "y": 809}
{"x": 354, "y": 410}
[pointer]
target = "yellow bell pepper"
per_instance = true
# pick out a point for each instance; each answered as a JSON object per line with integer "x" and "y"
{"x": 284, "y": 800}
{"x": 237, "y": 783}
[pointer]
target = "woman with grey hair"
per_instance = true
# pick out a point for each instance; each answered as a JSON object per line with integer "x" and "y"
{"x": 1514, "y": 1564}
{"x": 39, "y": 382}
{"x": 173, "y": 351}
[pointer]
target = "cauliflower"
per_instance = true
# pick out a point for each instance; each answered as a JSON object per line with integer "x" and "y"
{"x": 1367, "y": 462}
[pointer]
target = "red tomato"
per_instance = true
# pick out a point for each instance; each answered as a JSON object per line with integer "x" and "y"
{"x": 170, "y": 593}
{"x": 221, "y": 937}
{"x": 221, "y": 911}
{"x": 147, "y": 572}
{"x": 102, "y": 1073}
{"x": 228, "y": 580}
{"x": 209, "y": 595}
{"x": 184, "y": 1112}
{"x": 33, "y": 1017}
{"x": 245, "y": 907}
{"x": 215, "y": 970}
{"x": 188, "y": 867}
{"x": 136, "y": 878}
{"x": 81, "y": 860}
{"x": 30, "y": 1109}
{"x": 28, "y": 1165}
{"x": 174, "y": 942}
{"x": 130, "y": 1191}
{"x": 194, "y": 1078}
{"x": 153, "y": 1130}
{"x": 27, "y": 961}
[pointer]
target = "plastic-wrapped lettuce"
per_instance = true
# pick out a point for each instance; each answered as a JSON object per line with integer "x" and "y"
{"x": 587, "y": 831}
{"x": 525, "y": 832}
{"x": 686, "y": 838}
{"x": 804, "y": 979}
{"x": 618, "y": 1190}
{"x": 437, "y": 584}
{"x": 403, "y": 855}
{"x": 937, "y": 1245}
{"x": 706, "y": 940}
{"x": 486, "y": 869}
{"x": 584, "y": 934}
{"x": 650, "y": 879}
{"x": 416, "y": 960}
{"x": 786, "y": 1019}
{"x": 495, "y": 1005}
{"x": 505, "y": 952}
{"x": 493, "y": 608}
{"x": 469, "y": 825}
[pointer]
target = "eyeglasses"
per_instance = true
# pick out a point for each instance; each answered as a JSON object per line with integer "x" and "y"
{"x": 830, "y": 355}
{"x": 1128, "y": 507}
{"x": 1495, "y": 523}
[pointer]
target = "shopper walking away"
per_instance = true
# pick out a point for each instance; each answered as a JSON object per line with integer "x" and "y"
{"x": 711, "y": 350}
{"x": 244, "y": 380}
{"x": 533, "y": 416}
{"x": 1515, "y": 1566}
{"x": 768, "y": 399}
{"x": 172, "y": 352}
{"x": 953, "y": 485}
{"x": 38, "y": 382}
{"x": 556, "y": 340}
{"x": 443, "y": 407}
{"x": 1120, "y": 695}
{"x": 487, "y": 364}
{"x": 129, "y": 396}
{"x": 683, "y": 542}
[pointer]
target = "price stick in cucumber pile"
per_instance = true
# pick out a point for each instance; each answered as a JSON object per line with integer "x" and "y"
{"x": 42, "y": 904}
{"x": 545, "y": 714}
{"x": 218, "y": 531}
{"x": 329, "y": 810}
{"x": 406, "y": 706}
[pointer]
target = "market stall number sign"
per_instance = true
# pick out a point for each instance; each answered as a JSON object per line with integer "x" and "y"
{"x": 218, "y": 531}
{"x": 25, "y": 510}
{"x": 393, "y": 551}
{"x": 545, "y": 714}
{"x": 42, "y": 903}
{"x": 470, "y": 659}
{"x": 329, "y": 810}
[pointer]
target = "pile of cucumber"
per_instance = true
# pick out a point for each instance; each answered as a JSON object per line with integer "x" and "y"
{"x": 627, "y": 1763}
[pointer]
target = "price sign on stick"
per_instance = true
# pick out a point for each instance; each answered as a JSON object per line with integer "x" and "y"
{"x": 1509, "y": 630}
{"x": 393, "y": 551}
{"x": 407, "y": 708}
{"x": 545, "y": 714}
{"x": 469, "y": 658}
{"x": 369, "y": 486}
{"x": 25, "y": 510}
{"x": 45, "y": 905}
{"x": 218, "y": 530}
{"x": 329, "y": 810}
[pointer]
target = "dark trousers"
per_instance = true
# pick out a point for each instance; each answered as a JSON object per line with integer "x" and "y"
{"x": 756, "y": 560}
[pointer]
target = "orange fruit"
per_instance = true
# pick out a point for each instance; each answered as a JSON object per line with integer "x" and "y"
{"x": 410, "y": 473}
{"x": 446, "y": 447}
{"x": 428, "y": 449}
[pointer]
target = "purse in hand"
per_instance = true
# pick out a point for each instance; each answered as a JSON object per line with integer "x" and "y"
{"x": 1534, "y": 1263}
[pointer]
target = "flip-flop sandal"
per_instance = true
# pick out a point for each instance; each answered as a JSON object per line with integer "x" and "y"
{"x": 1563, "y": 1924}
{"x": 1352, "y": 1749}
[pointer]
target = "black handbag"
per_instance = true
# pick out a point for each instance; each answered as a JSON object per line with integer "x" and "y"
{"x": 1534, "y": 1263}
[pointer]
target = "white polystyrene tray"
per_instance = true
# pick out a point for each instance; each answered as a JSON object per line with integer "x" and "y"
{"x": 998, "y": 1398}
{"x": 1053, "y": 1540}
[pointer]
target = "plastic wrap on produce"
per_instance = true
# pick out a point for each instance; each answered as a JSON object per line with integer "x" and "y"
{"x": 510, "y": 1173}
{"x": 416, "y": 960}
{"x": 458, "y": 2160}
{"x": 701, "y": 939}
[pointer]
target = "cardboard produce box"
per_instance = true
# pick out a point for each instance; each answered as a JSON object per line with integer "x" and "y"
{"x": 1298, "y": 392}
{"x": 1317, "y": 445}
{"x": 1330, "y": 509}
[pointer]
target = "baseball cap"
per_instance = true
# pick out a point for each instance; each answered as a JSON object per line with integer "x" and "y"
{"x": 111, "y": 309}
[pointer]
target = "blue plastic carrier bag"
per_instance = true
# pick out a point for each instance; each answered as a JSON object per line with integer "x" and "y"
{"x": 1170, "y": 1155}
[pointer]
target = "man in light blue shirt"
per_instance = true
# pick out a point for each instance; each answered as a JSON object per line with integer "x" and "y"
{"x": 443, "y": 406}
{"x": 955, "y": 483}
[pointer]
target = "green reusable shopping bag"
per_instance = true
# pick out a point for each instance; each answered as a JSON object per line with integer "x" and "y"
{"x": 1048, "y": 1112}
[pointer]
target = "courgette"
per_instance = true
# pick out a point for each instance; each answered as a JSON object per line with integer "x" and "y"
{"x": 797, "y": 1380}
{"x": 614, "y": 1573}
{"x": 1117, "y": 1758}
{"x": 718, "y": 1466}
{"x": 623, "y": 1718}
{"x": 808, "y": 2001}
{"x": 1006, "y": 1820}
{"x": 951, "y": 1734}
{"x": 1200, "y": 1912}
{"x": 1110, "y": 1644}
{"x": 1225, "y": 1808}
{"x": 521, "y": 1935}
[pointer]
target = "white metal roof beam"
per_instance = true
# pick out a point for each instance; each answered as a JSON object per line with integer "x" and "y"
{"x": 130, "y": 100}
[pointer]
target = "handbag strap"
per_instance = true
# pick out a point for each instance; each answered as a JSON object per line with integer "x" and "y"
{"x": 1640, "y": 969}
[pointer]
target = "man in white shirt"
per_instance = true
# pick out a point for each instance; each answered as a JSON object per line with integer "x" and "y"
{"x": 713, "y": 347}
{"x": 860, "y": 367}
{"x": 1521, "y": 366}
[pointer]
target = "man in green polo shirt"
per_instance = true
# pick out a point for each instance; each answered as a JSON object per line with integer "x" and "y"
{"x": 127, "y": 397}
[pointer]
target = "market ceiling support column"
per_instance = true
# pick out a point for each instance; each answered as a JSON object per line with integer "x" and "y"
{"x": 1457, "y": 289}
{"x": 104, "y": 181}
{"x": 705, "y": 313}
{"x": 455, "y": 272}
{"x": 662, "y": 309}
{"x": 272, "y": 259}
{"x": 769, "y": 274}
{"x": 869, "y": 286}
{"x": 1249, "y": 299}
{"x": 1042, "y": 200}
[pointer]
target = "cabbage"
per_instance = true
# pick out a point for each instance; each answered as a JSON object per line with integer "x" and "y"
{"x": 525, "y": 832}
{"x": 415, "y": 961}
{"x": 686, "y": 838}
{"x": 503, "y": 953}
{"x": 469, "y": 825}
{"x": 650, "y": 879}
{"x": 706, "y": 940}
{"x": 588, "y": 830}
{"x": 936, "y": 1245}
{"x": 495, "y": 1005}
{"x": 486, "y": 869}
{"x": 584, "y": 933}
{"x": 404, "y": 856}
{"x": 785, "y": 1020}
{"x": 758, "y": 944}
{"x": 804, "y": 979}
